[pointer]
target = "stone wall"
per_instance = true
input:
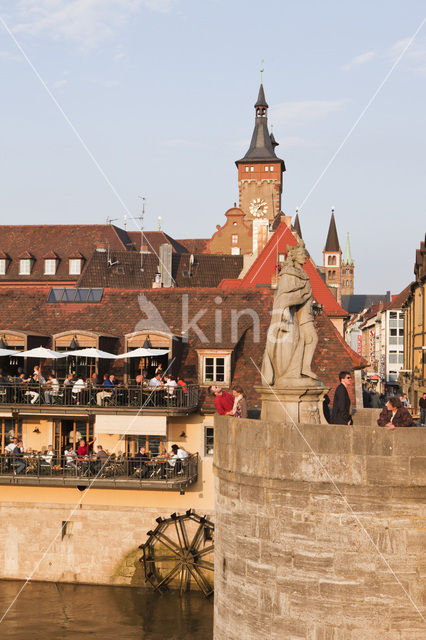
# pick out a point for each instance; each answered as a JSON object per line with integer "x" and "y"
{"x": 294, "y": 559}
{"x": 99, "y": 545}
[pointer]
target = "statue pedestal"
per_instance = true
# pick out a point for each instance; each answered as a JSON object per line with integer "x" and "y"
{"x": 299, "y": 401}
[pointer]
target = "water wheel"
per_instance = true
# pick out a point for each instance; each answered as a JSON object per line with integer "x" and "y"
{"x": 179, "y": 553}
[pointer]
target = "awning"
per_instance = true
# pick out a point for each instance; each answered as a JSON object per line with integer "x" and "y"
{"x": 131, "y": 425}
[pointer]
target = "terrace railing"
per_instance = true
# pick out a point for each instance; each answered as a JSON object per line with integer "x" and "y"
{"x": 126, "y": 396}
{"x": 114, "y": 472}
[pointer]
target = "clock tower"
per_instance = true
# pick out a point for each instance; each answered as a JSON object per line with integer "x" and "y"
{"x": 260, "y": 171}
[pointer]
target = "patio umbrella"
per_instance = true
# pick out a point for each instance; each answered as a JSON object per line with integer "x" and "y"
{"x": 8, "y": 352}
{"x": 91, "y": 352}
{"x": 142, "y": 352}
{"x": 41, "y": 353}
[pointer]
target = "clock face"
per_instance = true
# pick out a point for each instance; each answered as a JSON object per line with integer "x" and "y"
{"x": 258, "y": 208}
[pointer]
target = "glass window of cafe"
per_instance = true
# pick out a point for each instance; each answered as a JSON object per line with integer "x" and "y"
{"x": 155, "y": 445}
{"x": 70, "y": 432}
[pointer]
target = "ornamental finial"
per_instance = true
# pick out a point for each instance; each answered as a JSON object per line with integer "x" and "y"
{"x": 261, "y": 71}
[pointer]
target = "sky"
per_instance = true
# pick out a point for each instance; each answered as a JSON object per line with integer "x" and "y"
{"x": 105, "y": 101}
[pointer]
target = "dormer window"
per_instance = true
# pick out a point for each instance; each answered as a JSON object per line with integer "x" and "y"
{"x": 25, "y": 267}
{"x": 49, "y": 266}
{"x": 75, "y": 266}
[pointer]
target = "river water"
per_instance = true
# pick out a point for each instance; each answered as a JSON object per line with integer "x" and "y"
{"x": 47, "y": 611}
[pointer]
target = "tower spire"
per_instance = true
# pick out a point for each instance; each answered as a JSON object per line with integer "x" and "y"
{"x": 296, "y": 225}
{"x": 332, "y": 242}
{"x": 347, "y": 256}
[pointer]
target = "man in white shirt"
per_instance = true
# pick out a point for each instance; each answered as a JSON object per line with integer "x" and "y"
{"x": 156, "y": 381}
{"x": 10, "y": 447}
{"x": 53, "y": 389}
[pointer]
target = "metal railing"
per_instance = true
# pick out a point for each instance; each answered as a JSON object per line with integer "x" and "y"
{"x": 130, "y": 396}
{"x": 116, "y": 471}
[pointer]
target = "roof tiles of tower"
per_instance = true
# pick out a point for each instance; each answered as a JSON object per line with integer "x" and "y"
{"x": 332, "y": 242}
{"x": 264, "y": 269}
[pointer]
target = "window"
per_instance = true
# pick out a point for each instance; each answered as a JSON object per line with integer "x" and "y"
{"x": 75, "y": 266}
{"x": 9, "y": 429}
{"x": 2, "y": 267}
{"x": 75, "y": 295}
{"x": 281, "y": 257}
{"x": 153, "y": 444}
{"x": 393, "y": 332}
{"x": 271, "y": 168}
{"x": 247, "y": 169}
{"x": 208, "y": 441}
{"x": 214, "y": 370}
{"x": 234, "y": 239}
{"x": 25, "y": 267}
{"x": 235, "y": 251}
{"x": 393, "y": 357}
{"x": 49, "y": 267}
{"x": 331, "y": 259}
{"x": 266, "y": 168}
{"x": 251, "y": 169}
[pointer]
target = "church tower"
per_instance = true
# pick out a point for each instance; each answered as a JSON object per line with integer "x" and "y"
{"x": 260, "y": 171}
{"x": 332, "y": 262}
{"x": 348, "y": 268}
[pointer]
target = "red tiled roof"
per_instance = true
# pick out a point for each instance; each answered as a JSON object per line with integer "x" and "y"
{"x": 125, "y": 311}
{"x": 264, "y": 268}
{"x": 154, "y": 239}
{"x": 398, "y": 301}
{"x": 37, "y": 241}
{"x": 194, "y": 245}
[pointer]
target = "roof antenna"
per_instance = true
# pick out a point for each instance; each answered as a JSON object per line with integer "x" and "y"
{"x": 125, "y": 222}
{"x": 160, "y": 220}
{"x": 142, "y": 219}
{"x": 111, "y": 220}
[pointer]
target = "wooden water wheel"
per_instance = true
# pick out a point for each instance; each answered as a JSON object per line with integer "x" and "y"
{"x": 179, "y": 553}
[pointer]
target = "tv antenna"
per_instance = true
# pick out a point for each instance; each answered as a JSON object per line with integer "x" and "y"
{"x": 142, "y": 221}
{"x": 111, "y": 220}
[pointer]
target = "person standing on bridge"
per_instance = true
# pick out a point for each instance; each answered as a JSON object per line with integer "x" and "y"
{"x": 341, "y": 412}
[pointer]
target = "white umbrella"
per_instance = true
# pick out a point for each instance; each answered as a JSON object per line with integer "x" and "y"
{"x": 90, "y": 352}
{"x": 39, "y": 352}
{"x": 8, "y": 352}
{"x": 143, "y": 353}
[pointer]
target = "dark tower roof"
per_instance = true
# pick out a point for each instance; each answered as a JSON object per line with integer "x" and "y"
{"x": 332, "y": 242}
{"x": 262, "y": 145}
{"x": 296, "y": 226}
{"x": 261, "y": 100}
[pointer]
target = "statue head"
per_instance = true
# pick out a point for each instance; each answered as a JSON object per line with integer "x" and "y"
{"x": 297, "y": 255}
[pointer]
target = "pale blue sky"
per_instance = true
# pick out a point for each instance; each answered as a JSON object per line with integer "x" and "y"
{"x": 162, "y": 92}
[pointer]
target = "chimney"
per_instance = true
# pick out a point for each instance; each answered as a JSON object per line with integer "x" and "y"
{"x": 166, "y": 265}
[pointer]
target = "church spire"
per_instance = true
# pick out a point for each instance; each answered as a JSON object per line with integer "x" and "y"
{"x": 332, "y": 242}
{"x": 296, "y": 225}
{"x": 262, "y": 145}
{"x": 347, "y": 256}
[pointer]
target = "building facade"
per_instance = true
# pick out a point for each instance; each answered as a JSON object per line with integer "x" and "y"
{"x": 413, "y": 376}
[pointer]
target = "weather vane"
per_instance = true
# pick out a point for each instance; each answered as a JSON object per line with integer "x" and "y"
{"x": 261, "y": 71}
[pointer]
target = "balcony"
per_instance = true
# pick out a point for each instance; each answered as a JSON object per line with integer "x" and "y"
{"x": 126, "y": 399}
{"x": 116, "y": 473}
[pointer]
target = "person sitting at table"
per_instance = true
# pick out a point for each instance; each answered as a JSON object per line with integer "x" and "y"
{"x": 52, "y": 389}
{"x": 176, "y": 458}
{"x": 140, "y": 462}
{"x": 101, "y": 458}
{"x": 156, "y": 381}
{"x": 108, "y": 391}
{"x": 49, "y": 455}
{"x": 70, "y": 457}
{"x": 94, "y": 380}
{"x": 38, "y": 376}
{"x": 77, "y": 389}
{"x": 18, "y": 457}
{"x": 83, "y": 448}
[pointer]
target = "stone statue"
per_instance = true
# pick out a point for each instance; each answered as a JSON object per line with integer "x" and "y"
{"x": 291, "y": 338}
